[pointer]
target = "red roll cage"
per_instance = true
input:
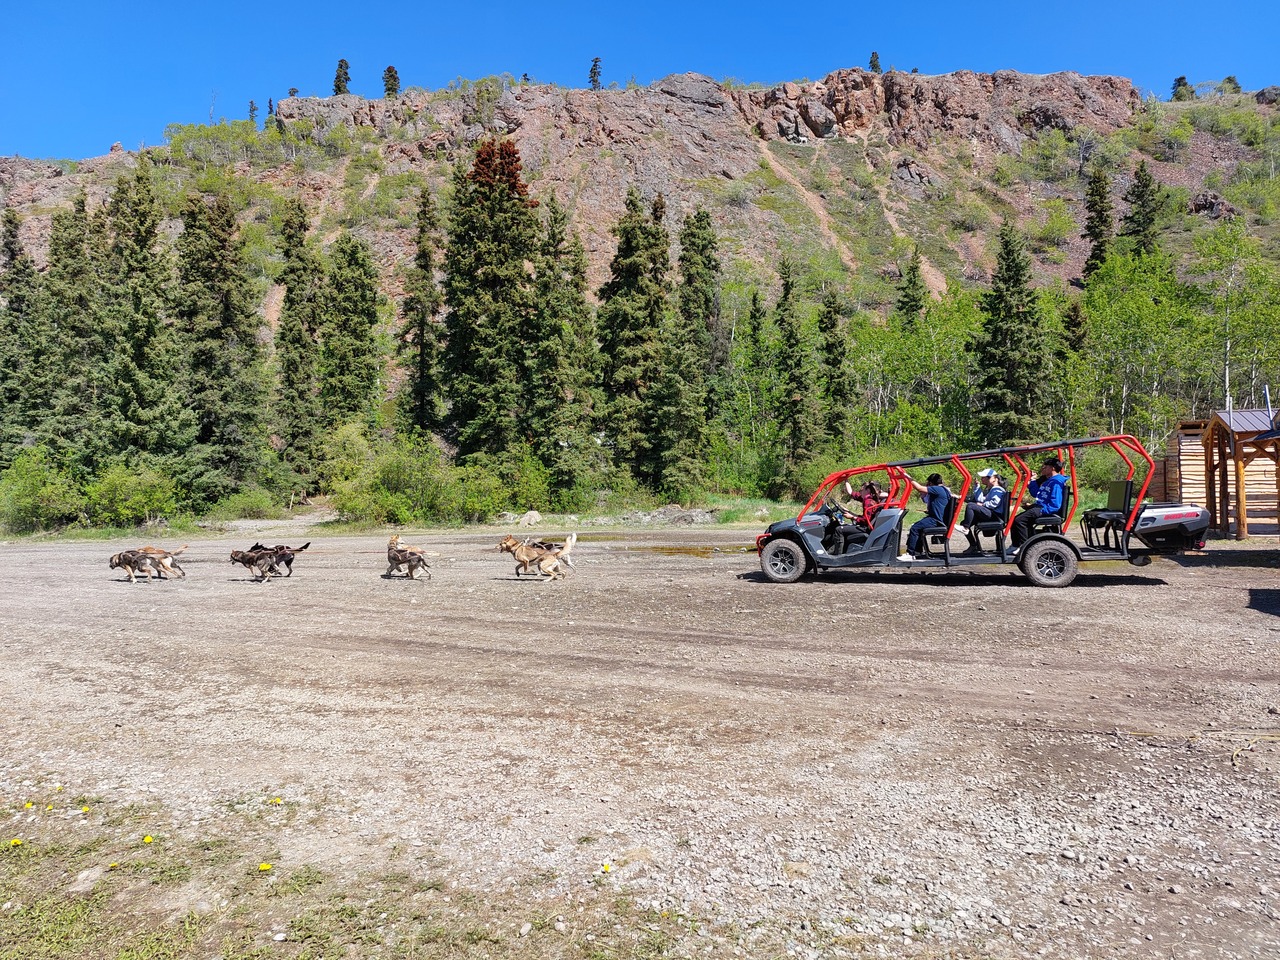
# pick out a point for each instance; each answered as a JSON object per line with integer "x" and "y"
{"x": 1015, "y": 457}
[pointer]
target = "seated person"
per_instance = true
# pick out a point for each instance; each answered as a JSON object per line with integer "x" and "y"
{"x": 854, "y": 527}
{"x": 936, "y": 498}
{"x": 987, "y": 503}
{"x": 1048, "y": 494}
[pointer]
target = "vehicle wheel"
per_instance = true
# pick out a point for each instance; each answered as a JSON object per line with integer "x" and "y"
{"x": 1049, "y": 563}
{"x": 783, "y": 561}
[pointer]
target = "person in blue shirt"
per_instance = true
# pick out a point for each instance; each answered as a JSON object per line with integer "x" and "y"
{"x": 987, "y": 503}
{"x": 936, "y": 500}
{"x": 1048, "y": 495}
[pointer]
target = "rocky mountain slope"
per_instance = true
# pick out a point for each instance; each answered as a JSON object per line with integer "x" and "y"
{"x": 844, "y": 175}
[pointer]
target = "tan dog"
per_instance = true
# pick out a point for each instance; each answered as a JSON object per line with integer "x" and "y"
{"x": 134, "y": 562}
{"x": 166, "y": 559}
{"x": 410, "y": 558}
{"x": 397, "y": 543}
{"x": 549, "y": 560}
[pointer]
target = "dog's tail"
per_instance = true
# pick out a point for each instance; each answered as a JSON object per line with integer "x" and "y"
{"x": 563, "y": 552}
{"x": 174, "y": 553}
{"x": 301, "y": 548}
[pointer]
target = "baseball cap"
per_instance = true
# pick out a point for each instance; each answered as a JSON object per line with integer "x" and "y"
{"x": 988, "y": 472}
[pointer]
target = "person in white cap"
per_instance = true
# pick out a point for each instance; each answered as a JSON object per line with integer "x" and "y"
{"x": 987, "y": 503}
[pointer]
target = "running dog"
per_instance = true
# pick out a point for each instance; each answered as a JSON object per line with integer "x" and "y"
{"x": 397, "y": 543}
{"x": 261, "y": 562}
{"x": 548, "y": 559}
{"x": 167, "y": 559}
{"x": 284, "y": 554}
{"x": 410, "y": 558}
{"x": 134, "y": 562}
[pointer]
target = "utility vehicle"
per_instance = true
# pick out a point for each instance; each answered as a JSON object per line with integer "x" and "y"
{"x": 1127, "y": 528}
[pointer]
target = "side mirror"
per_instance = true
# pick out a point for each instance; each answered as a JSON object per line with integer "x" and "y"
{"x": 848, "y": 489}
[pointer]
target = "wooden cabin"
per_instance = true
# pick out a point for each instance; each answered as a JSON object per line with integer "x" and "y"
{"x": 1237, "y": 471}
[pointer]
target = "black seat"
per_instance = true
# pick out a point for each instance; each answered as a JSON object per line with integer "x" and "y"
{"x": 1103, "y": 527}
{"x": 994, "y": 527}
{"x": 1054, "y": 521}
{"x": 938, "y": 533}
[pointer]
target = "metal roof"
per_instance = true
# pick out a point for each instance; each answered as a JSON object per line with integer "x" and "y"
{"x": 1245, "y": 421}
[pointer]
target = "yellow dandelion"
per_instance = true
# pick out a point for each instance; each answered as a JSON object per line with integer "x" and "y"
{"x": 264, "y": 867}
{"x": 277, "y": 800}
{"x": 49, "y": 807}
{"x": 112, "y": 866}
{"x": 57, "y": 788}
{"x": 29, "y": 805}
{"x": 84, "y": 809}
{"x": 606, "y": 867}
{"x": 15, "y": 842}
{"x": 148, "y": 838}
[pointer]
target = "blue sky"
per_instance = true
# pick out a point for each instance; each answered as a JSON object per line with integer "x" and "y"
{"x": 78, "y": 76}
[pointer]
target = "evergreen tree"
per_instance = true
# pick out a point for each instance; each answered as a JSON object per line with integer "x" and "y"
{"x": 227, "y": 387}
{"x": 390, "y": 83}
{"x": 271, "y": 107}
{"x": 1183, "y": 90}
{"x": 1009, "y": 354}
{"x": 253, "y": 111}
{"x": 633, "y": 308}
{"x": 913, "y": 295}
{"x": 147, "y": 416}
{"x": 293, "y": 92}
{"x": 561, "y": 363}
{"x": 1230, "y": 85}
{"x": 25, "y": 344}
{"x": 1146, "y": 201}
{"x": 298, "y": 418}
{"x": 341, "y": 78}
{"x": 799, "y": 409}
{"x": 593, "y": 77}
{"x": 420, "y": 336}
{"x": 1100, "y": 223}
{"x": 835, "y": 376}
{"x": 874, "y": 65}
{"x": 350, "y": 367}
{"x": 698, "y": 289}
{"x": 492, "y": 238}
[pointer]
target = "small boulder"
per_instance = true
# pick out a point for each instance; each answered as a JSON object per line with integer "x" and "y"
{"x": 530, "y": 519}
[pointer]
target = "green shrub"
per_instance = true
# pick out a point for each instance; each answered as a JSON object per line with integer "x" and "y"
{"x": 35, "y": 494}
{"x": 253, "y": 504}
{"x": 1057, "y": 228}
{"x": 124, "y": 496}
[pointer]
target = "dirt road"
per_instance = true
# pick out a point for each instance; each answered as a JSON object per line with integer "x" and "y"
{"x": 931, "y": 764}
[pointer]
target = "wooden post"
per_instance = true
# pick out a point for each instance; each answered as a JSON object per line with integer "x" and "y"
{"x": 1210, "y": 500}
{"x": 1242, "y": 502}
{"x": 1224, "y": 485}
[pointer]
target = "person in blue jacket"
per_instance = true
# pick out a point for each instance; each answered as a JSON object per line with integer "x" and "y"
{"x": 1048, "y": 495}
{"x": 987, "y": 503}
{"x": 936, "y": 500}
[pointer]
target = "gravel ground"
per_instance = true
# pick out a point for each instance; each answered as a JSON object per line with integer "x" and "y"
{"x": 861, "y": 764}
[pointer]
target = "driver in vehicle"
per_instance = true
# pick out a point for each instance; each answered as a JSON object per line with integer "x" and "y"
{"x": 1048, "y": 494}
{"x": 986, "y": 503}
{"x": 936, "y": 498}
{"x": 854, "y": 527}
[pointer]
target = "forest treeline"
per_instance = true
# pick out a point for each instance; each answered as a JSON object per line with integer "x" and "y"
{"x": 138, "y": 379}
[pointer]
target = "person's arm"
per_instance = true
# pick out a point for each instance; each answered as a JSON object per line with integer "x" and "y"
{"x": 916, "y": 485}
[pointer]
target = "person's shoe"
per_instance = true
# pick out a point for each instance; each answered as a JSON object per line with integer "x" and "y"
{"x": 906, "y": 556}
{"x": 973, "y": 552}
{"x": 962, "y": 529}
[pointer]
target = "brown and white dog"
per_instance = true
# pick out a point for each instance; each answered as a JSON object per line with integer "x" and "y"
{"x": 411, "y": 558}
{"x": 547, "y": 559}
{"x": 134, "y": 562}
{"x": 284, "y": 554}
{"x": 166, "y": 559}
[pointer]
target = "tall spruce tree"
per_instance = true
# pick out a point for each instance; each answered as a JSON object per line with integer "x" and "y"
{"x": 836, "y": 369}
{"x": 227, "y": 388}
{"x": 698, "y": 287}
{"x": 633, "y": 306}
{"x": 350, "y": 365}
{"x": 147, "y": 416}
{"x": 390, "y": 83}
{"x": 799, "y": 406}
{"x": 1099, "y": 226}
{"x": 420, "y": 340}
{"x": 913, "y": 295}
{"x": 561, "y": 364}
{"x": 1146, "y": 200}
{"x": 874, "y": 64}
{"x": 341, "y": 77}
{"x": 1010, "y": 354}
{"x": 1183, "y": 90}
{"x": 593, "y": 76}
{"x": 488, "y": 288}
{"x": 297, "y": 410}
{"x": 26, "y": 345}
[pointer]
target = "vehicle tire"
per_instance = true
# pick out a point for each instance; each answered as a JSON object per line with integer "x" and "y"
{"x": 783, "y": 561}
{"x": 1049, "y": 563}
